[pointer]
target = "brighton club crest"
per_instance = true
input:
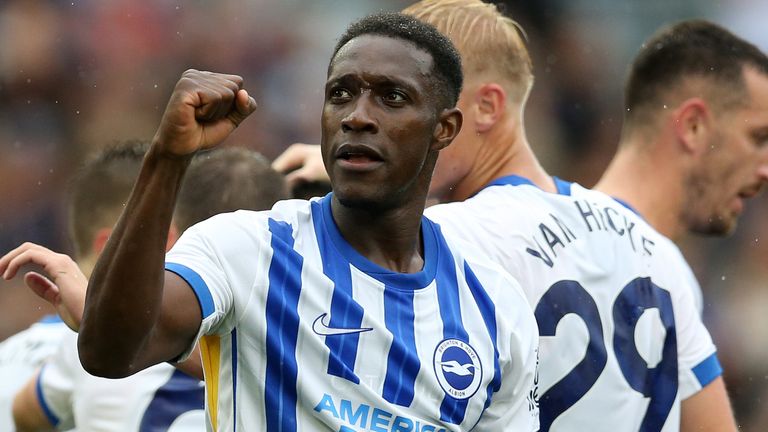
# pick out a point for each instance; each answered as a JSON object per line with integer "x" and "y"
{"x": 458, "y": 368}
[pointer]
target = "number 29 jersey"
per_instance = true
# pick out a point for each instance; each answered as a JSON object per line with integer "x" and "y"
{"x": 621, "y": 339}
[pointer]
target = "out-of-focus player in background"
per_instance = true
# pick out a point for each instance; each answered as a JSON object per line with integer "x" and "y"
{"x": 694, "y": 144}
{"x": 342, "y": 313}
{"x": 630, "y": 348}
{"x": 159, "y": 398}
{"x": 21, "y": 355}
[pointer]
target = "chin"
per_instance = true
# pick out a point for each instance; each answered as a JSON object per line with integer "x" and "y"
{"x": 357, "y": 201}
{"x": 716, "y": 227}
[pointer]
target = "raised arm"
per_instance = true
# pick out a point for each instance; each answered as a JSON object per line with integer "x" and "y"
{"x": 137, "y": 314}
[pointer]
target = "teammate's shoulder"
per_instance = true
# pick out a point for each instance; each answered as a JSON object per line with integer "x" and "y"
{"x": 290, "y": 211}
{"x": 472, "y": 258}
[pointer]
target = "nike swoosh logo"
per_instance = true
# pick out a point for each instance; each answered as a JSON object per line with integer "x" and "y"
{"x": 323, "y": 329}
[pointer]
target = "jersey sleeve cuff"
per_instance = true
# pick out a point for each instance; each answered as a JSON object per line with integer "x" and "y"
{"x": 198, "y": 285}
{"x": 52, "y": 418}
{"x": 708, "y": 370}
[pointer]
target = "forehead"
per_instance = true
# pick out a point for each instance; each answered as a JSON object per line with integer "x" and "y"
{"x": 382, "y": 56}
{"x": 754, "y": 113}
{"x": 757, "y": 87}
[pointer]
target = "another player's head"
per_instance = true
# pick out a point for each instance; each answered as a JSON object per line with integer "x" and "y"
{"x": 708, "y": 90}
{"x": 393, "y": 82}
{"x": 498, "y": 78}
{"x": 97, "y": 194}
{"x": 224, "y": 180}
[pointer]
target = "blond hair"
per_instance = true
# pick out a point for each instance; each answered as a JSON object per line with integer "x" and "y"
{"x": 489, "y": 42}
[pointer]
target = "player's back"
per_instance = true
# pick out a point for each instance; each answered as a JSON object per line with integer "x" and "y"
{"x": 21, "y": 355}
{"x": 621, "y": 339}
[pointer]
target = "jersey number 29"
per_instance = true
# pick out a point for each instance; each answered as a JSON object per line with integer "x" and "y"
{"x": 658, "y": 383}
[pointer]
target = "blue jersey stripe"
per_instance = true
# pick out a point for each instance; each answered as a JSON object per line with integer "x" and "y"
{"x": 234, "y": 379}
{"x": 345, "y": 312}
{"x": 563, "y": 187}
{"x": 180, "y": 394}
{"x": 198, "y": 285}
{"x": 488, "y": 311}
{"x": 402, "y": 361}
{"x": 451, "y": 409}
{"x": 708, "y": 370}
{"x": 52, "y": 419}
{"x": 282, "y": 329}
{"x": 50, "y": 319}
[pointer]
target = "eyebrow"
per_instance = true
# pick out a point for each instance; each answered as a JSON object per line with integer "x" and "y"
{"x": 378, "y": 81}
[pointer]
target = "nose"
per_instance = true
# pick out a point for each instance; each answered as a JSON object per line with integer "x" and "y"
{"x": 360, "y": 119}
{"x": 762, "y": 172}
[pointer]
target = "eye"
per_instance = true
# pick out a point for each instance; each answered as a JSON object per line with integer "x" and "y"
{"x": 339, "y": 94}
{"x": 395, "y": 97}
{"x": 761, "y": 139}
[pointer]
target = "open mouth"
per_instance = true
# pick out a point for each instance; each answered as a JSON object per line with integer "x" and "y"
{"x": 357, "y": 154}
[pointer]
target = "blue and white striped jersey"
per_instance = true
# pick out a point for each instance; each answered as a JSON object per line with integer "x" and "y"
{"x": 157, "y": 399}
{"x": 622, "y": 342}
{"x": 300, "y": 332}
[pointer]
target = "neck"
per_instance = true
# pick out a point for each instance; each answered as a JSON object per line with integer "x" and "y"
{"x": 389, "y": 238}
{"x": 504, "y": 150}
{"x": 642, "y": 175}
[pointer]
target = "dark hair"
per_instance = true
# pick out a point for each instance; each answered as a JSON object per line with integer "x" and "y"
{"x": 447, "y": 78}
{"x": 690, "y": 48}
{"x": 99, "y": 190}
{"x": 224, "y": 180}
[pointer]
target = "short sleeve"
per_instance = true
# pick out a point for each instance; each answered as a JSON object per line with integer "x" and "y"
{"x": 219, "y": 259}
{"x": 515, "y": 406}
{"x": 698, "y": 364}
{"x": 56, "y": 383}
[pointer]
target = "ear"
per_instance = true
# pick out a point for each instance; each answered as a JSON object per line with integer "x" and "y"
{"x": 692, "y": 123}
{"x": 490, "y": 104}
{"x": 100, "y": 240}
{"x": 173, "y": 235}
{"x": 448, "y": 126}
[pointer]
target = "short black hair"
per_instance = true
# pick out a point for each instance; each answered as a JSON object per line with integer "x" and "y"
{"x": 689, "y": 48}
{"x": 100, "y": 189}
{"x": 448, "y": 77}
{"x": 226, "y": 179}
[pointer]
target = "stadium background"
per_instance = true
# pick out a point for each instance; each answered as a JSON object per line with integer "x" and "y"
{"x": 76, "y": 75}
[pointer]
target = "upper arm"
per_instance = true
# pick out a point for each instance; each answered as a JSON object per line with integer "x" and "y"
{"x": 708, "y": 410}
{"x": 179, "y": 322}
{"x": 28, "y": 414}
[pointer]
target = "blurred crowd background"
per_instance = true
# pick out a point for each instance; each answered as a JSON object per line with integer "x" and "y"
{"x": 77, "y": 75}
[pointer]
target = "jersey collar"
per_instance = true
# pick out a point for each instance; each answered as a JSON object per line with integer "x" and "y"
{"x": 410, "y": 281}
{"x": 563, "y": 187}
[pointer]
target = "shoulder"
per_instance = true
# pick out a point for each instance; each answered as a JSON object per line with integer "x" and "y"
{"x": 247, "y": 226}
{"x": 480, "y": 268}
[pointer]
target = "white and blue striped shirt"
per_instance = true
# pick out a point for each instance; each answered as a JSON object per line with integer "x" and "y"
{"x": 301, "y": 332}
{"x": 622, "y": 341}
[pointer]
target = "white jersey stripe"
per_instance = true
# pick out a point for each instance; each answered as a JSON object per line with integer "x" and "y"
{"x": 234, "y": 379}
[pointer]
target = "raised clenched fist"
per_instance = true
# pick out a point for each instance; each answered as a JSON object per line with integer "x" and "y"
{"x": 203, "y": 110}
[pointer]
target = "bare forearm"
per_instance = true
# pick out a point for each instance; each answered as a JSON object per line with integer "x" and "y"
{"x": 125, "y": 291}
